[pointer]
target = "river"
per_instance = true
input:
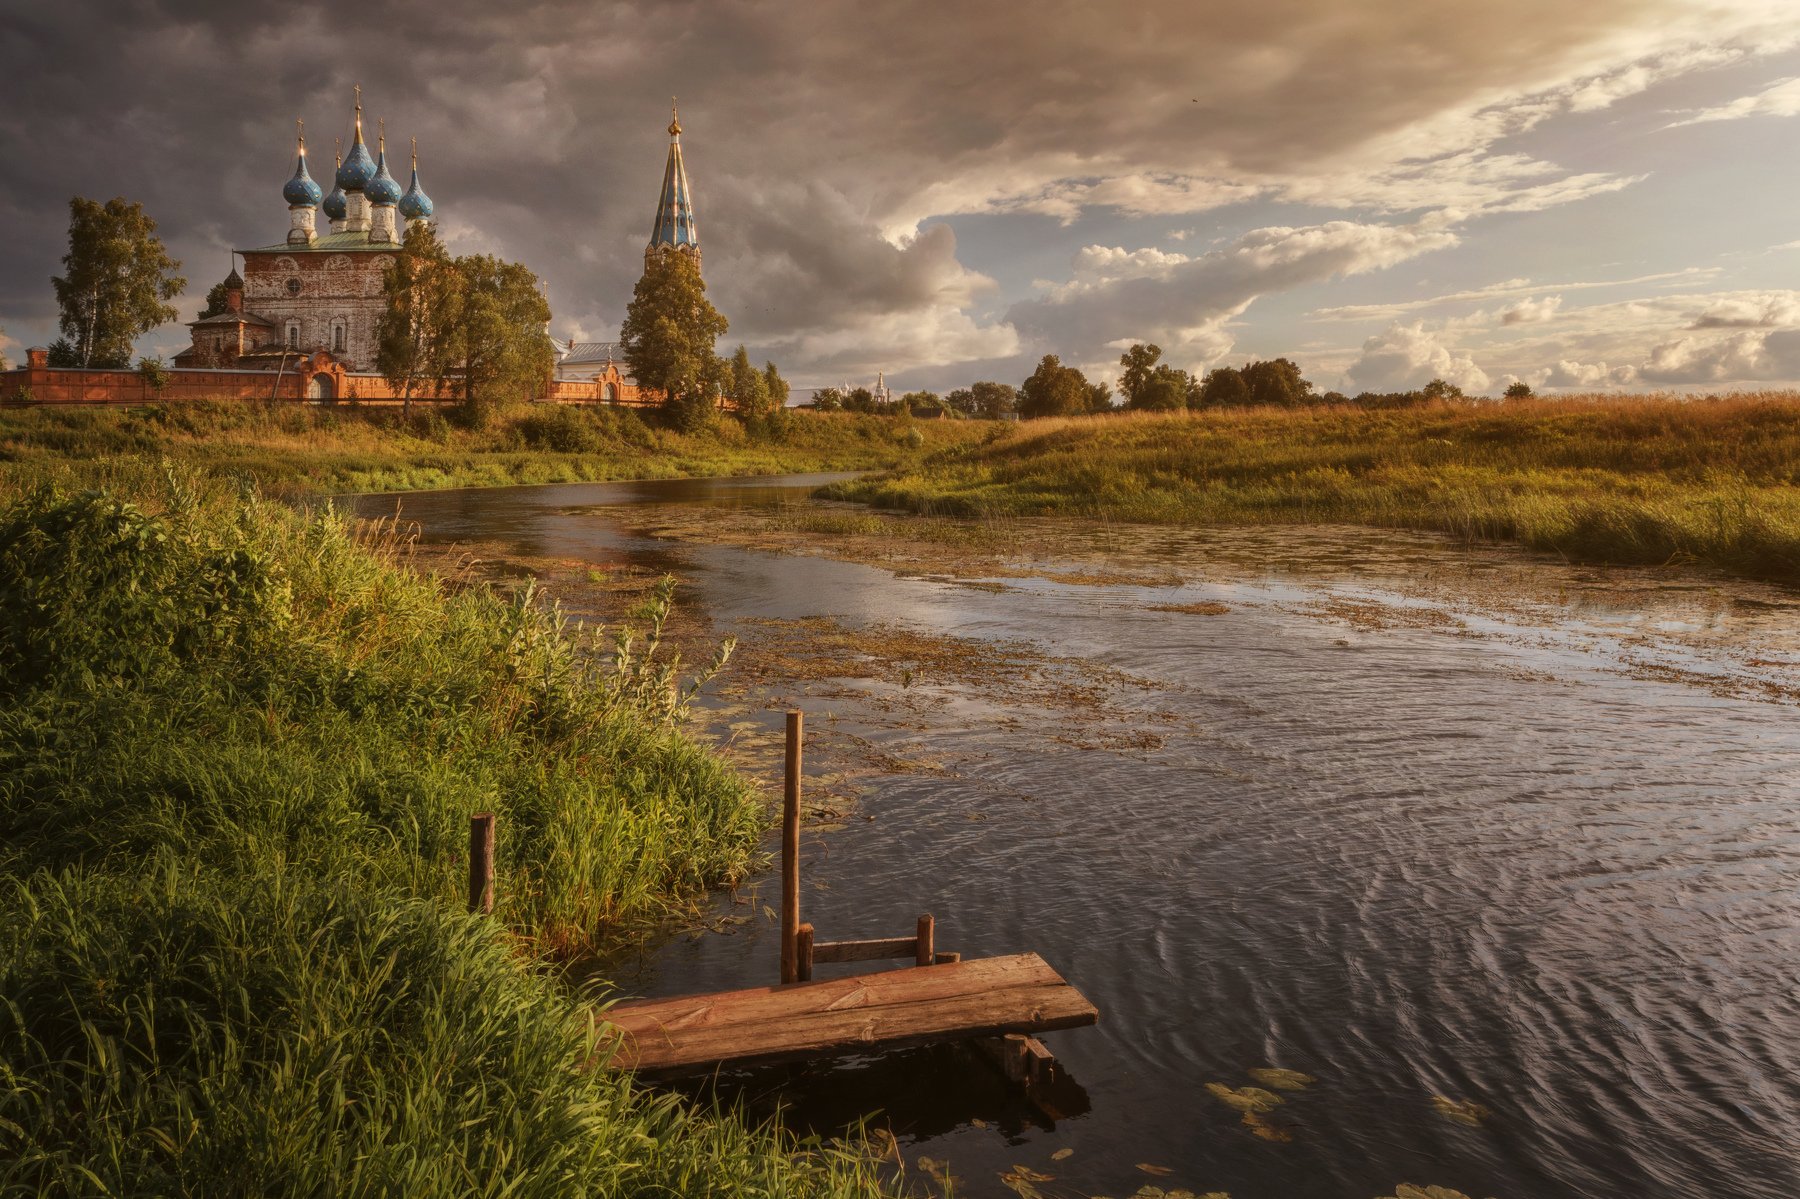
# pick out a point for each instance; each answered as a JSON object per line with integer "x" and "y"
{"x": 1520, "y": 892}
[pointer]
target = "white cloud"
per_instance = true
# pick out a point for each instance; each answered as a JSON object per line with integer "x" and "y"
{"x": 1184, "y": 303}
{"x": 1531, "y": 311}
{"x": 1506, "y": 289}
{"x": 1403, "y": 357}
{"x": 1779, "y": 99}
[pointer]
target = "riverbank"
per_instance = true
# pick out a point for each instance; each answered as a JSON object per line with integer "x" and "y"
{"x": 1597, "y": 479}
{"x": 242, "y": 744}
{"x": 294, "y": 450}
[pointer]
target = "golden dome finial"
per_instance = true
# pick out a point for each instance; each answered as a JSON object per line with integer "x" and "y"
{"x": 358, "y": 90}
{"x": 381, "y": 135}
{"x": 338, "y": 144}
{"x": 415, "y": 149}
{"x": 674, "y": 119}
{"x": 300, "y": 134}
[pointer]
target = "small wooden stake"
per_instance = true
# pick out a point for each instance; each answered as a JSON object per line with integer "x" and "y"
{"x": 924, "y": 954}
{"x": 803, "y": 953}
{"x": 481, "y": 862}
{"x": 790, "y": 855}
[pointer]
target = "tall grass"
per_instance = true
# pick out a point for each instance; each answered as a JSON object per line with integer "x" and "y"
{"x": 293, "y": 450}
{"x": 1631, "y": 480}
{"x": 238, "y": 751}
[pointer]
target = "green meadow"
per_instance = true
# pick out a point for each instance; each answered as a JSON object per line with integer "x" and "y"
{"x": 1626, "y": 480}
{"x": 294, "y": 450}
{"x": 239, "y": 746}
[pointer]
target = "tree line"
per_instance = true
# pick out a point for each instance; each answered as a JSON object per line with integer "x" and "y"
{"x": 1146, "y": 384}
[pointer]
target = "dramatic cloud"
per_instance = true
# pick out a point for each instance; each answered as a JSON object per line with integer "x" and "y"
{"x": 1531, "y": 312}
{"x": 879, "y": 186}
{"x": 1183, "y": 303}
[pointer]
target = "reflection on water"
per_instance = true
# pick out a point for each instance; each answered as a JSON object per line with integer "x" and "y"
{"x": 1472, "y": 860}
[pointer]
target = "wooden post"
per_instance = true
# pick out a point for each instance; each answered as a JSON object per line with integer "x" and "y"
{"x": 926, "y": 952}
{"x": 481, "y": 862}
{"x": 803, "y": 953}
{"x": 790, "y": 854}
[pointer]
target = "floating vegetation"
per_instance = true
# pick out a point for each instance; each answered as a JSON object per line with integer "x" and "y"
{"x": 1281, "y": 1080}
{"x": 1463, "y": 1111}
{"x": 1159, "y": 1171}
{"x": 1204, "y": 608}
{"x": 1023, "y": 1180}
{"x": 1407, "y": 1190}
{"x": 1263, "y": 1128}
{"x": 1060, "y": 1154}
{"x": 1246, "y": 1099}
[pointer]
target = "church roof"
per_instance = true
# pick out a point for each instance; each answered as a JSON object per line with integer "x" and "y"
{"x": 599, "y": 352}
{"x": 232, "y": 318}
{"x": 675, "y": 207}
{"x": 329, "y": 243}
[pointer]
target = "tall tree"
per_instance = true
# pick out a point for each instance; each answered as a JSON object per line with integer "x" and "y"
{"x": 749, "y": 387}
{"x": 425, "y": 292}
{"x": 1139, "y": 362}
{"x": 1055, "y": 390}
{"x": 829, "y": 399}
{"x": 778, "y": 387}
{"x": 500, "y": 353}
{"x": 117, "y": 283}
{"x": 216, "y": 303}
{"x": 1224, "y": 387}
{"x": 668, "y": 337}
{"x": 1276, "y": 381}
{"x": 994, "y": 401}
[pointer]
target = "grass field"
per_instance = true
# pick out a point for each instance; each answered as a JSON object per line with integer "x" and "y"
{"x": 1628, "y": 480}
{"x": 294, "y": 450}
{"x": 239, "y": 746}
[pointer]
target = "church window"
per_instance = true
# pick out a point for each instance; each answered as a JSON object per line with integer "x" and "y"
{"x": 293, "y": 335}
{"x": 337, "y": 337}
{"x": 293, "y": 285}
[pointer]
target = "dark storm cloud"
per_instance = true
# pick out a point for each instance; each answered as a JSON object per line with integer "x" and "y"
{"x": 819, "y": 136}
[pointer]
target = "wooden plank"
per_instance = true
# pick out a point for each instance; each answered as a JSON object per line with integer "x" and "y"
{"x": 790, "y": 853}
{"x": 989, "y": 997}
{"x": 803, "y": 953}
{"x": 923, "y": 954}
{"x": 878, "y": 950}
{"x": 481, "y": 862}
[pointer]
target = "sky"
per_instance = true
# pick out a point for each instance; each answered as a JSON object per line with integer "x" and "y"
{"x": 1587, "y": 197}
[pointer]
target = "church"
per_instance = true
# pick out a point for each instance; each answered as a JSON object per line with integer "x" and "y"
{"x": 311, "y": 304}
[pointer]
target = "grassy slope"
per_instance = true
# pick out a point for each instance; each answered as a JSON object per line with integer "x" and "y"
{"x": 238, "y": 751}
{"x": 290, "y": 449}
{"x": 1612, "y": 480}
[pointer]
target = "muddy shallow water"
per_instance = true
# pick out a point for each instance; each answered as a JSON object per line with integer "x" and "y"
{"x": 1505, "y": 854}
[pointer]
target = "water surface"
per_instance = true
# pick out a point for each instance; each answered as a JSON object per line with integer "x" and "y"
{"x": 1486, "y": 859}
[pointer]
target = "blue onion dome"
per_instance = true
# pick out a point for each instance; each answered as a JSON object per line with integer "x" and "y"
{"x": 383, "y": 189}
{"x": 415, "y": 205}
{"x": 355, "y": 171}
{"x": 301, "y": 191}
{"x": 337, "y": 205}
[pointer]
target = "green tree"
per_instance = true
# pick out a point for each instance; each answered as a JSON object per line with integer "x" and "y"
{"x": 1224, "y": 387}
{"x": 994, "y": 401}
{"x": 749, "y": 387}
{"x": 216, "y": 304}
{"x": 1518, "y": 390}
{"x": 1054, "y": 390}
{"x": 154, "y": 372}
{"x": 117, "y": 283}
{"x": 778, "y": 388}
{"x": 415, "y": 335}
{"x": 921, "y": 401}
{"x": 1099, "y": 397}
{"x": 499, "y": 353}
{"x": 1276, "y": 381}
{"x": 828, "y": 399}
{"x": 860, "y": 399}
{"x": 668, "y": 337}
{"x": 1439, "y": 389}
{"x": 1139, "y": 363}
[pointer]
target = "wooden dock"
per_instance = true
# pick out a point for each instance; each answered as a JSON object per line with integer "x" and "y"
{"x": 832, "y": 1017}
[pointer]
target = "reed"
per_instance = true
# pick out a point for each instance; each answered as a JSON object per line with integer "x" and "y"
{"x": 1604, "y": 479}
{"x": 239, "y": 746}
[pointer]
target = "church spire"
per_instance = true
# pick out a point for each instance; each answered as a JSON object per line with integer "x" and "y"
{"x": 674, "y": 229}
